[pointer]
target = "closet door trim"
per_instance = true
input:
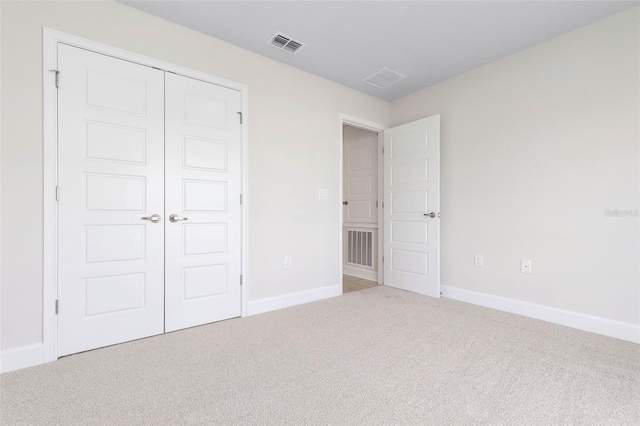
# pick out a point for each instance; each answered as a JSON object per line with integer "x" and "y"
{"x": 51, "y": 40}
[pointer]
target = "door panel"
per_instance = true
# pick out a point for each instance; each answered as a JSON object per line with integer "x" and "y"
{"x": 202, "y": 187}
{"x": 110, "y": 162}
{"x": 412, "y": 191}
{"x": 360, "y": 175}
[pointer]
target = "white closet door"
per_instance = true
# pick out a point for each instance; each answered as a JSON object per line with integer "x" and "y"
{"x": 203, "y": 196}
{"x": 412, "y": 205}
{"x": 110, "y": 159}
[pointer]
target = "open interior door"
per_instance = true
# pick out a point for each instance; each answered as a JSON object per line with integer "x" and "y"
{"x": 412, "y": 206}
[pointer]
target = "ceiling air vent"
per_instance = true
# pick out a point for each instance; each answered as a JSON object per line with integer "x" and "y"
{"x": 384, "y": 78}
{"x": 285, "y": 42}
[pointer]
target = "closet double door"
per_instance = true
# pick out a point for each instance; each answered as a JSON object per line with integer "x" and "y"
{"x": 149, "y": 217}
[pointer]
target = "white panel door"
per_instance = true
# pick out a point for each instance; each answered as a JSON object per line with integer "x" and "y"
{"x": 412, "y": 205}
{"x": 360, "y": 176}
{"x": 203, "y": 175}
{"x": 111, "y": 177}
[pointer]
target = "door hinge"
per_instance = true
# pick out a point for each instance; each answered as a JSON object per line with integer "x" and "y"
{"x": 383, "y": 149}
{"x": 57, "y": 193}
{"x": 376, "y": 204}
{"x": 57, "y": 77}
{"x": 240, "y": 279}
{"x": 240, "y": 198}
{"x": 382, "y": 259}
{"x": 240, "y": 114}
{"x": 57, "y": 306}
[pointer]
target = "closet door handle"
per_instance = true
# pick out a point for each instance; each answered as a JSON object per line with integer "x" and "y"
{"x": 153, "y": 218}
{"x": 175, "y": 218}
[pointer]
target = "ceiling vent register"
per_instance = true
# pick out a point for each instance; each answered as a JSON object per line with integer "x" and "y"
{"x": 284, "y": 42}
{"x": 384, "y": 78}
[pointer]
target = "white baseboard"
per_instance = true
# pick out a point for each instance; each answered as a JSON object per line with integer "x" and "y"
{"x": 292, "y": 299}
{"x": 360, "y": 273}
{"x": 618, "y": 329}
{"x": 22, "y": 357}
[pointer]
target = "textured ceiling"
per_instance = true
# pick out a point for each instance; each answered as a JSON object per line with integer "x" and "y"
{"x": 346, "y": 41}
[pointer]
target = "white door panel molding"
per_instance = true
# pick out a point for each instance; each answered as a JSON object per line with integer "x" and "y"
{"x": 203, "y": 168}
{"x": 412, "y": 206}
{"x": 111, "y": 177}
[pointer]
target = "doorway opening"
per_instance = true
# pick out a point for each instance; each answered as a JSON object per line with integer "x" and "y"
{"x": 361, "y": 209}
{"x": 409, "y": 184}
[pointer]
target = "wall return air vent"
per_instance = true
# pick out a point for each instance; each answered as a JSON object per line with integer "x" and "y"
{"x": 284, "y": 42}
{"x": 384, "y": 78}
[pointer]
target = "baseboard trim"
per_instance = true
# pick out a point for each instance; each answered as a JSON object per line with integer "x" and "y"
{"x": 269, "y": 304}
{"x": 617, "y": 329}
{"x": 360, "y": 273}
{"x": 22, "y": 357}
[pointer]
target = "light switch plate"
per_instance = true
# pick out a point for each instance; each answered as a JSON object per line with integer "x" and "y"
{"x": 323, "y": 194}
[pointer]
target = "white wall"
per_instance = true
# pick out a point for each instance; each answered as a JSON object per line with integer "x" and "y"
{"x": 293, "y": 150}
{"x": 535, "y": 148}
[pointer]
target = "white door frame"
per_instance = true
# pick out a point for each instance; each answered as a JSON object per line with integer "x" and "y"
{"x": 51, "y": 39}
{"x": 360, "y": 123}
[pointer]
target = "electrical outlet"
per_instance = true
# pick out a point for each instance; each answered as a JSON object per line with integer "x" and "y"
{"x": 525, "y": 266}
{"x": 478, "y": 261}
{"x": 323, "y": 194}
{"x": 287, "y": 262}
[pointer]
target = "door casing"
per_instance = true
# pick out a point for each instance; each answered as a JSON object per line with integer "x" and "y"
{"x": 51, "y": 39}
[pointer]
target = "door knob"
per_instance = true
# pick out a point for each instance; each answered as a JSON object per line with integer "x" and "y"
{"x": 345, "y": 203}
{"x": 153, "y": 218}
{"x": 432, "y": 214}
{"x": 175, "y": 218}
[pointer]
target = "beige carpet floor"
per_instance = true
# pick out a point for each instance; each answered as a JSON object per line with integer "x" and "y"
{"x": 371, "y": 357}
